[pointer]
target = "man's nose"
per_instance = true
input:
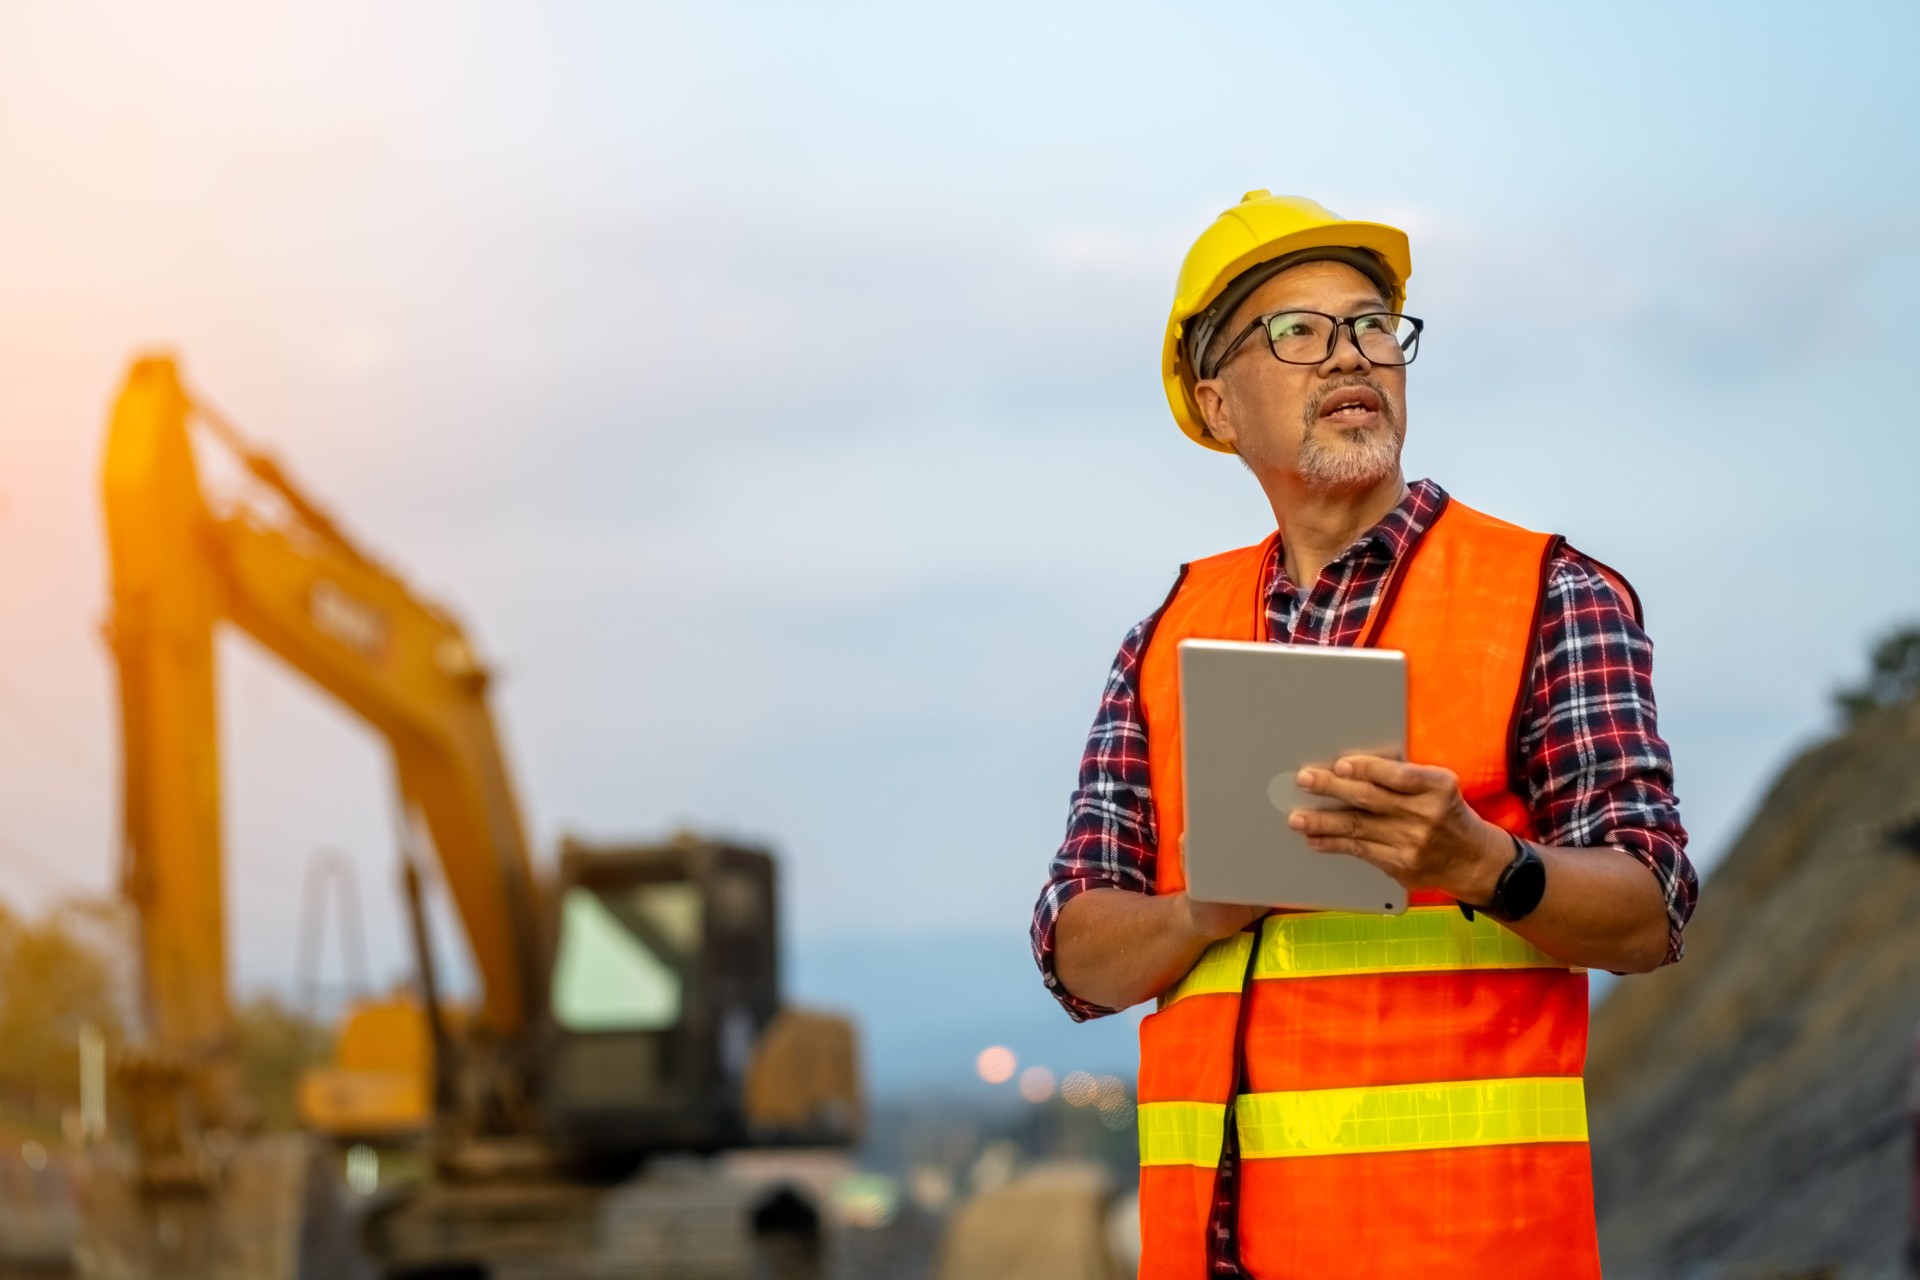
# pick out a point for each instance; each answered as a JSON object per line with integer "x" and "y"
{"x": 1346, "y": 356}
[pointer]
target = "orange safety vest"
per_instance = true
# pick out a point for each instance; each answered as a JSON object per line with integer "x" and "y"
{"x": 1405, "y": 1090}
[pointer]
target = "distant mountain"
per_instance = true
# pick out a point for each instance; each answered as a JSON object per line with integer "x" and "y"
{"x": 929, "y": 1003}
{"x": 1750, "y": 1105}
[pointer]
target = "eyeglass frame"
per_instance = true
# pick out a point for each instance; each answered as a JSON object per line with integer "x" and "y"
{"x": 1333, "y": 337}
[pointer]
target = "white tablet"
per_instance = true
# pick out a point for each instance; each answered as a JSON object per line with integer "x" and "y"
{"x": 1252, "y": 716}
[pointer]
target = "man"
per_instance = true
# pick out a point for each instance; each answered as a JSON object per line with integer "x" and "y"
{"x": 1322, "y": 1094}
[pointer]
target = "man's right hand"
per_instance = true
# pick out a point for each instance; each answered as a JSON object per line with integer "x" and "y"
{"x": 1116, "y": 947}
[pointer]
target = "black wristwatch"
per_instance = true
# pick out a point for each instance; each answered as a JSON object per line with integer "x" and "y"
{"x": 1520, "y": 887}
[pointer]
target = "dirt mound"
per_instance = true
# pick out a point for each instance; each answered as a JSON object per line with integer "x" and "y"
{"x": 1750, "y": 1106}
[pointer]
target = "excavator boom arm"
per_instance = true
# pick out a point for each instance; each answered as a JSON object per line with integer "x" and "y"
{"x": 165, "y": 603}
{"x": 354, "y": 628}
{"x": 406, "y": 668}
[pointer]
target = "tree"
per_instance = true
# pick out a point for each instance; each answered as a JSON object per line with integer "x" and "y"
{"x": 276, "y": 1044}
{"x": 1893, "y": 676}
{"x": 56, "y": 976}
{"x": 72, "y": 967}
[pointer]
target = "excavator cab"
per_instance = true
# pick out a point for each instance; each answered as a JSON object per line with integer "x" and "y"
{"x": 663, "y": 1029}
{"x": 665, "y": 975}
{"x": 666, "y": 1029}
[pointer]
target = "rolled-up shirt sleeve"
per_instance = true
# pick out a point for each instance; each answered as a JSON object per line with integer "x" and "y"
{"x": 1596, "y": 770}
{"x": 1110, "y": 831}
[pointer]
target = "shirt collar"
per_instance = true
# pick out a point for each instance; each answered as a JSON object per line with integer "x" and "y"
{"x": 1399, "y": 529}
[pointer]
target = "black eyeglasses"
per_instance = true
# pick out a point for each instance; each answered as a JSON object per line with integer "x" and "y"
{"x": 1309, "y": 337}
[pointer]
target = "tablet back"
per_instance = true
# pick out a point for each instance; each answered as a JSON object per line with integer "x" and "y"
{"x": 1252, "y": 716}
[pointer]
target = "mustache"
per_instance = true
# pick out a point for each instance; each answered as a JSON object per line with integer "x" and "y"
{"x": 1389, "y": 407}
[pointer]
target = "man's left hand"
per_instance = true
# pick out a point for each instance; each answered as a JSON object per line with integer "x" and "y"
{"x": 1409, "y": 820}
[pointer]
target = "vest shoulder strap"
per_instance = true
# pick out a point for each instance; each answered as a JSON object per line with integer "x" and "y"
{"x": 1465, "y": 608}
{"x": 1217, "y": 598}
{"x": 1221, "y": 594}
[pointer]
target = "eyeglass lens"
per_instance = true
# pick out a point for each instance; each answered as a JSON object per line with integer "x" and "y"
{"x": 1307, "y": 337}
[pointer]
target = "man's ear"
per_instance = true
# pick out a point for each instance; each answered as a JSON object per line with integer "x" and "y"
{"x": 1212, "y": 399}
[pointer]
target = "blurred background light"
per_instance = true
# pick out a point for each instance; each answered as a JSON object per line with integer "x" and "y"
{"x": 1036, "y": 1084}
{"x": 996, "y": 1064}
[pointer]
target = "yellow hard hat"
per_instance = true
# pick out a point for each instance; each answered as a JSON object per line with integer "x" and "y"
{"x": 1262, "y": 228}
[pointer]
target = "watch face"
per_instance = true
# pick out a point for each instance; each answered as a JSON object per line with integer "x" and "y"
{"x": 1523, "y": 886}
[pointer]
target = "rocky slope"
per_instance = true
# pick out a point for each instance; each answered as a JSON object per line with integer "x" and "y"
{"x": 1750, "y": 1106}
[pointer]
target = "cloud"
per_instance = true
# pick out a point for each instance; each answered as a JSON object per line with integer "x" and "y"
{"x": 1705, "y": 302}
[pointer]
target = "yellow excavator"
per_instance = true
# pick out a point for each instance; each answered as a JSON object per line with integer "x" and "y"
{"x": 628, "y": 1021}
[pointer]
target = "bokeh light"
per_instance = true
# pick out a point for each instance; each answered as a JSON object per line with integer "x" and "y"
{"x": 995, "y": 1167}
{"x": 1116, "y": 1108}
{"x": 1036, "y": 1084}
{"x": 995, "y": 1064}
{"x": 1078, "y": 1089}
{"x": 866, "y": 1200}
{"x": 931, "y": 1187}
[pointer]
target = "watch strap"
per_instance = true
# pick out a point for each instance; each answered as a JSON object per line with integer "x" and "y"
{"x": 1501, "y": 908}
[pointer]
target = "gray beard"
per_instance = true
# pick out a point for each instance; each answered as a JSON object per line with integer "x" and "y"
{"x": 1329, "y": 462}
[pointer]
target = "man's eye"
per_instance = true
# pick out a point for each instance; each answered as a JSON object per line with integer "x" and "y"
{"x": 1369, "y": 324}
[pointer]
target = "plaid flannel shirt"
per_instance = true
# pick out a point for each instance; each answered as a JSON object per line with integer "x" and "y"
{"x": 1597, "y": 771}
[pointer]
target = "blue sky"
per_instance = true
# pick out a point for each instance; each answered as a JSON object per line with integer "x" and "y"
{"x": 774, "y": 389}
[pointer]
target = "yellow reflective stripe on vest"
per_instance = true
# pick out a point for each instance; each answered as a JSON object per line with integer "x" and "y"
{"x": 1220, "y": 968}
{"x": 1181, "y": 1132}
{"x": 1320, "y": 944}
{"x": 1403, "y": 1117}
{"x": 1327, "y": 944}
{"x": 1412, "y": 1117}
